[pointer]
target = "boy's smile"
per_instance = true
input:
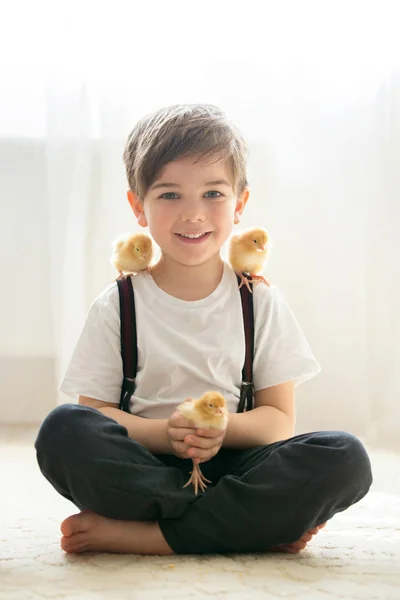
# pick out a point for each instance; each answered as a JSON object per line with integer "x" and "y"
{"x": 193, "y": 238}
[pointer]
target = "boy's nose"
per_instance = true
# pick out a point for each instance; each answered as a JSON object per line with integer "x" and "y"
{"x": 193, "y": 217}
{"x": 193, "y": 212}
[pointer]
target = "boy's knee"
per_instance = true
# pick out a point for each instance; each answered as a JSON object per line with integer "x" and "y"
{"x": 61, "y": 427}
{"x": 348, "y": 463}
{"x": 343, "y": 476}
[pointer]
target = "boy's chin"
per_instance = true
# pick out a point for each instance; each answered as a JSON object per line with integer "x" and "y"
{"x": 195, "y": 261}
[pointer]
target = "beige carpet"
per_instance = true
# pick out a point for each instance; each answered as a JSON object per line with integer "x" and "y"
{"x": 357, "y": 556}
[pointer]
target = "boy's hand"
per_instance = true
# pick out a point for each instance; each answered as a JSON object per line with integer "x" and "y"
{"x": 177, "y": 429}
{"x": 188, "y": 442}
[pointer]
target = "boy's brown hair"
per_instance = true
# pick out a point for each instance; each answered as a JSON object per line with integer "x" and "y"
{"x": 178, "y": 131}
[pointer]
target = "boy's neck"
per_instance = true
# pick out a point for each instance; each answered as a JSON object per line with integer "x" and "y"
{"x": 188, "y": 282}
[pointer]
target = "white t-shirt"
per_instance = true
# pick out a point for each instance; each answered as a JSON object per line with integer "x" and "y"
{"x": 186, "y": 348}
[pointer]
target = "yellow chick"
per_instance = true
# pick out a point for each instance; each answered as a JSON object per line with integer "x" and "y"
{"x": 208, "y": 411}
{"x": 247, "y": 255}
{"x": 132, "y": 253}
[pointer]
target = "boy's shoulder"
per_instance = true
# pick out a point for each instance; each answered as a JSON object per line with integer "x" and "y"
{"x": 266, "y": 298}
{"x": 109, "y": 297}
{"x": 264, "y": 295}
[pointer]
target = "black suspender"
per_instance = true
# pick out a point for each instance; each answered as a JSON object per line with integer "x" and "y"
{"x": 128, "y": 340}
{"x": 247, "y": 387}
{"x": 129, "y": 344}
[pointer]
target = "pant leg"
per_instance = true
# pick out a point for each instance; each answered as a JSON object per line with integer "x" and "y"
{"x": 273, "y": 494}
{"x": 89, "y": 459}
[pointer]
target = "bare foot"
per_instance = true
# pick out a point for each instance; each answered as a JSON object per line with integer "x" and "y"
{"x": 300, "y": 544}
{"x": 89, "y": 532}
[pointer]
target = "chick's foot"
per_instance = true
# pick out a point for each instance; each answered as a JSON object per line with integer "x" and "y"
{"x": 258, "y": 278}
{"x": 244, "y": 280}
{"x": 197, "y": 479}
{"x": 120, "y": 276}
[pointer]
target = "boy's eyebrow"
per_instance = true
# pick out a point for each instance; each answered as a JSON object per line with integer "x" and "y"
{"x": 160, "y": 185}
{"x": 219, "y": 182}
{"x": 176, "y": 185}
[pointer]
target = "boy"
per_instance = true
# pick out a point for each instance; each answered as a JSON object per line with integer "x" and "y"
{"x": 186, "y": 167}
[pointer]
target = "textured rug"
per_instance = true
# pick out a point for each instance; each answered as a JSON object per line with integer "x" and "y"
{"x": 357, "y": 555}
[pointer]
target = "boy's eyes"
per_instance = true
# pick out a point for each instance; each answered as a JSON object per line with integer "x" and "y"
{"x": 173, "y": 196}
{"x": 213, "y": 194}
{"x": 169, "y": 196}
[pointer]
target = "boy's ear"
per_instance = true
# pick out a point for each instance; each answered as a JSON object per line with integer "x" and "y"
{"x": 137, "y": 207}
{"x": 240, "y": 204}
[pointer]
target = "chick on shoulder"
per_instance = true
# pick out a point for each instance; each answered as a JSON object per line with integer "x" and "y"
{"x": 248, "y": 252}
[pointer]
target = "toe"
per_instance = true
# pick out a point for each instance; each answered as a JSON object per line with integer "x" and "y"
{"x": 299, "y": 545}
{"x": 69, "y": 526}
{"x": 75, "y": 544}
{"x": 75, "y": 523}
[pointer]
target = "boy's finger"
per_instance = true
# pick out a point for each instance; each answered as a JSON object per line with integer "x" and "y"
{"x": 210, "y": 433}
{"x": 177, "y": 420}
{"x": 179, "y": 433}
{"x": 181, "y": 447}
{"x": 201, "y": 442}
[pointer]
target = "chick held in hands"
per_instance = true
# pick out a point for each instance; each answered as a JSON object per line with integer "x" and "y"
{"x": 209, "y": 411}
{"x": 248, "y": 252}
{"x": 132, "y": 253}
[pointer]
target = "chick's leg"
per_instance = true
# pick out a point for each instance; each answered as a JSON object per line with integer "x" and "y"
{"x": 197, "y": 479}
{"x": 120, "y": 276}
{"x": 244, "y": 280}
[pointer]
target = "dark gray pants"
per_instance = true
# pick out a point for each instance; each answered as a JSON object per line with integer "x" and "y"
{"x": 258, "y": 498}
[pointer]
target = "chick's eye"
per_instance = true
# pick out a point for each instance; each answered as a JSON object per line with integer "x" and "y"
{"x": 213, "y": 194}
{"x": 211, "y": 406}
{"x": 255, "y": 241}
{"x": 169, "y": 196}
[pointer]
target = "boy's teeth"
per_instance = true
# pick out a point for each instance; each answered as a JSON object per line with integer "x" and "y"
{"x": 191, "y": 235}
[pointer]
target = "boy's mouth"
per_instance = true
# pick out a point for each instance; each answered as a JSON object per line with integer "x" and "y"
{"x": 193, "y": 238}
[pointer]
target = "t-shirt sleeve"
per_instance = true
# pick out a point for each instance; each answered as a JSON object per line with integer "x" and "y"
{"x": 95, "y": 369}
{"x": 282, "y": 352}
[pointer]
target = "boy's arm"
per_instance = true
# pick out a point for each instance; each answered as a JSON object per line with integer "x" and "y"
{"x": 272, "y": 419}
{"x": 151, "y": 433}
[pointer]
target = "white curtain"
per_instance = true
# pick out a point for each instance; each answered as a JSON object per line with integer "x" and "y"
{"x": 315, "y": 89}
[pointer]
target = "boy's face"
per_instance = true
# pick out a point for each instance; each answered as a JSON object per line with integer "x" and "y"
{"x": 190, "y": 198}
